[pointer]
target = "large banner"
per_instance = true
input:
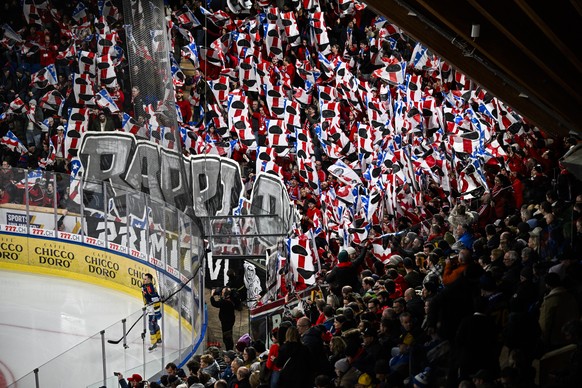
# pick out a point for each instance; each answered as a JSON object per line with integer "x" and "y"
{"x": 214, "y": 185}
{"x": 73, "y": 259}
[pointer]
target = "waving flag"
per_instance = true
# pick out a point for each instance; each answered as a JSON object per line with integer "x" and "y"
{"x": 318, "y": 33}
{"x": 83, "y": 89}
{"x": 471, "y": 181}
{"x": 266, "y": 161}
{"x": 129, "y": 125}
{"x": 104, "y": 100}
{"x": 80, "y": 13}
{"x": 16, "y": 105}
{"x": 190, "y": 52}
{"x": 275, "y": 100}
{"x": 220, "y": 89}
{"x": 106, "y": 71}
{"x": 419, "y": 57}
{"x": 49, "y": 160}
{"x": 291, "y": 29}
{"x": 301, "y": 262}
{"x": 31, "y": 12}
{"x": 9, "y": 33}
{"x": 393, "y": 72}
{"x": 277, "y": 136}
{"x": 273, "y": 41}
{"x": 69, "y": 53}
{"x": 107, "y": 9}
{"x": 13, "y": 143}
{"x": 186, "y": 18}
{"x": 44, "y": 77}
{"x": 105, "y": 43}
{"x": 76, "y": 126}
{"x": 86, "y": 63}
{"x": 344, "y": 173}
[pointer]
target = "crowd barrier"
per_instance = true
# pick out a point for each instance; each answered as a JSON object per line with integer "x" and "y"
{"x": 110, "y": 238}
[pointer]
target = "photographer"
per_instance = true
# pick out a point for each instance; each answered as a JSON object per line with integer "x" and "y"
{"x": 226, "y": 315}
{"x": 134, "y": 381}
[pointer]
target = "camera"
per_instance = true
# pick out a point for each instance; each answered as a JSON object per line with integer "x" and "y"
{"x": 115, "y": 373}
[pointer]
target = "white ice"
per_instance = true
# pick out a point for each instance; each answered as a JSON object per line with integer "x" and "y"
{"x": 44, "y": 316}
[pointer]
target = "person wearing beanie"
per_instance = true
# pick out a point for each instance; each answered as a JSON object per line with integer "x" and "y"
{"x": 33, "y": 117}
{"x": 421, "y": 380}
{"x": 364, "y": 381}
{"x": 346, "y": 272}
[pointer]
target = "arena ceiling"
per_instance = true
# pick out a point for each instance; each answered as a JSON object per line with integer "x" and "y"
{"x": 527, "y": 53}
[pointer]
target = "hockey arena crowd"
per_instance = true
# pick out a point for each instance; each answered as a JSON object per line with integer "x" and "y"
{"x": 446, "y": 232}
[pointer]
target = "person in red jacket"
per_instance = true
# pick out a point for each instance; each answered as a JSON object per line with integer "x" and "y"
{"x": 184, "y": 105}
{"x": 4, "y": 197}
{"x": 48, "y": 52}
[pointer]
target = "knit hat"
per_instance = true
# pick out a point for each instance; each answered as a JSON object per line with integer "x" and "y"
{"x": 536, "y": 232}
{"x": 351, "y": 251}
{"x": 213, "y": 351}
{"x": 365, "y": 380}
{"x": 231, "y": 354}
{"x": 342, "y": 365}
{"x": 421, "y": 379}
{"x": 343, "y": 256}
{"x": 395, "y": 260}
{"x": 449, "y": 238}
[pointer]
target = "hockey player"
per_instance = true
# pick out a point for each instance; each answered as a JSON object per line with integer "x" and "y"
{"x": 153, "y": 309}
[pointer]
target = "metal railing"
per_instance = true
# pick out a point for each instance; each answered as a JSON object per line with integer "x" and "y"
{"x": 135, "y": 234}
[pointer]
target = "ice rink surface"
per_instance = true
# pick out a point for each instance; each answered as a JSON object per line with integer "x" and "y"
{"x": 44, "y": 316}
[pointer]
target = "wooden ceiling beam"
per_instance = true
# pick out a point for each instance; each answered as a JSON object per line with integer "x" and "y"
{"x": 398, "y": 13}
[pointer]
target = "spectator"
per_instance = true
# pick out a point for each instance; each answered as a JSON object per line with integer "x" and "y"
{"x": 132, "y": 381}
{"x": 295, "y": 362}
{"x": 101, "y": 123}
{"x": 222, "y": 301}
{"x": 345, "y": 273}
{"x": 558, "y": 307}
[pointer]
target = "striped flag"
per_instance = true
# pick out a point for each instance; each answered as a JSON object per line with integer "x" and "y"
{"x": 16, "y": 105}
{"x": 104, "y": 100}
{"x": 301, "y": 260}
{"x": 83, "y": 89}
{"x": 190, "y": 52}
{"x": 44, "y": 77}
{"x": 419, "y": 57}
{"x": 393, "y": 72}
{"x": 291, "y": 30}
{"x": 13, "y": 143}
{"x": 49, "y": 160}
{"x": 186, "y": 18}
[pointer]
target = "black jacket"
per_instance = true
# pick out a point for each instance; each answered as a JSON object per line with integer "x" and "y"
{"x": 346, "y": 274}
{"x": 226, "y": 314}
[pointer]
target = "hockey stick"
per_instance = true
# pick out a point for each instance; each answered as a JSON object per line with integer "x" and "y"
{"x": 163, "y": 301}
{"x": 127, "y": 332}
